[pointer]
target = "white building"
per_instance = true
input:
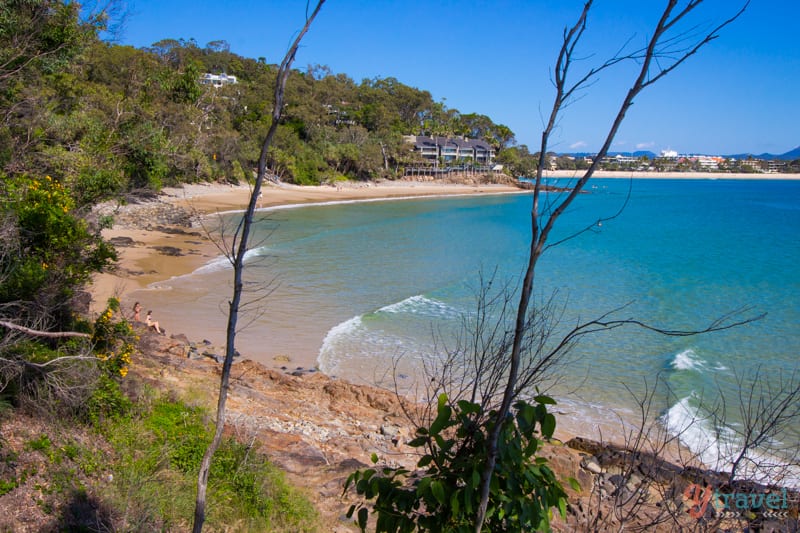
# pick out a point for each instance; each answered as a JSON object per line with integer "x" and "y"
{"x": 218, "y": 80}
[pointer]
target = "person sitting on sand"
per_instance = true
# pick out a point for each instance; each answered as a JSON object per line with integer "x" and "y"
{"x": 137, "y": 308}
{"x": 152, "y": 324}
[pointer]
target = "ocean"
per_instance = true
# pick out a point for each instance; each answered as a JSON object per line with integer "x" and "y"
{"x": 374, "y": 290}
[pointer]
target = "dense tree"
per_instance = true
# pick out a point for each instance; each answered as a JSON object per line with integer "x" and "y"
{"x": 115, "y": 119}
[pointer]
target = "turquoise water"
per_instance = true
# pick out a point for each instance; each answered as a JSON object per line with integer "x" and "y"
{"x": 360, "y": 285}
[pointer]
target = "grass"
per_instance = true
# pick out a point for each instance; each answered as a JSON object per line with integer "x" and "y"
{"x": 137, "y": 471}
{"x": 158, "y": 457}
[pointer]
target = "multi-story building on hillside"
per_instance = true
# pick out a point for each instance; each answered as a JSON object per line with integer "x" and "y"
{"x": 452, "y": 149}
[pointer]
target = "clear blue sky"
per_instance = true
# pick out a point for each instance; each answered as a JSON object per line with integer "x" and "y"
{"x": 740, "y": 94}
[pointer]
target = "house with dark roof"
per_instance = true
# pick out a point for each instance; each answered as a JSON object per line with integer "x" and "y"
{"x": 452, "y": 149}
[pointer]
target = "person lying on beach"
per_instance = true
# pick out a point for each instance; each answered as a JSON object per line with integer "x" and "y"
{"x": 152, "y": 324}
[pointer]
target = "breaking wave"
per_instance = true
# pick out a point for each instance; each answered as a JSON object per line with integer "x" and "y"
{"x": 718, "y": 446}
{"x": 420, "y": 305}
{"x": 378, "y": 338}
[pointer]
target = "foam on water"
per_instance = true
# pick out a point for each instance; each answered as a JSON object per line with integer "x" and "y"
{"x": 329, "y": 355}
{"x": 395, "y": 334}
{"x": 718, "y": 446}
{"x": 687, "y": 360}
{"x": 695, "y": 430}
{"x": 420, "y": 305}
{"x": 223, "y": 263}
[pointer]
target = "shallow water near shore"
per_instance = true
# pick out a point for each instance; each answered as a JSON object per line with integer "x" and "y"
{"x": 354, "y": 287}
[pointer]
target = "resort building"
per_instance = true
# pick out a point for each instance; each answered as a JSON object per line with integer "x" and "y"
{"x": 218, "y": 80}
{"x": 755, "y": 164}
{"x": 621, "y": 160}
{"x": 452, "y": 149}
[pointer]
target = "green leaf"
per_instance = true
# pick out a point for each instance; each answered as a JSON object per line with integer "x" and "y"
{"x": 374, "y": 458}
{"x": 362, "y": 518}
{"x": 548, "y": 425}
{"x": 468, "y": 407}
{"x": 438, "y": 491}
{"x": 455, "y": 505}
{"x": 419, "y": 441}
{"x": 574, "y": 484}
{"x": 546, "y": 400}
{"x": 442, "y": 418}
{"x": 442, "y": 400}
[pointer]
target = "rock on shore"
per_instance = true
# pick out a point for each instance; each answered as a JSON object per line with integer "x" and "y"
{"x": 319, "y": 430}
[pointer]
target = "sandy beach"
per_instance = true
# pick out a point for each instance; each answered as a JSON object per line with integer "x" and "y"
{"x": 141, "y": 263}
{"x": 156, "y": 251}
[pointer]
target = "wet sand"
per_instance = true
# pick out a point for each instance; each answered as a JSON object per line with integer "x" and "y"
{"x": 142, "y": 264}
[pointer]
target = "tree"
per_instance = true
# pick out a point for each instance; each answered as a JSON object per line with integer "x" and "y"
{"x": 47, "y": 253}
{"x": 505, "y": 358}
{"x": 239, "y": 248}
{"x": 666, "y": 49}
{"x": 44, "y": 33}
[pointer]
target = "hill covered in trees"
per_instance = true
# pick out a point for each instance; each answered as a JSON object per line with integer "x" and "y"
{"x": 104, "y": 119}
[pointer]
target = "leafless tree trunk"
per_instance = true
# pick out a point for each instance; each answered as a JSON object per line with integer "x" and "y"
{"x": 238, "y": 250}
{"x": 666, "y": 49}
{"x": 44, "y": 334}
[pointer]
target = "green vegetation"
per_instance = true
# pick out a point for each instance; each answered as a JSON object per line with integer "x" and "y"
{"x": 157, "y": 454}
{"x": 105, "y": 120}
{"x": 126, "y": 464}
{"x": 136, "y": 471}
{"x": 48, "y": 251}
{"x": 445, "y": 495}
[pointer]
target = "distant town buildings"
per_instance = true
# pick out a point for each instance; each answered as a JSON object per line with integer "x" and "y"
{"x": 218, "y": 80}
{"x": 672, "y": 161}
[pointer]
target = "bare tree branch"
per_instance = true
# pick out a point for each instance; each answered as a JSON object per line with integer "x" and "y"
{"x": 45, "y": 334}
{"x": 541, "y": 232}
{"x": 239, "y": 248}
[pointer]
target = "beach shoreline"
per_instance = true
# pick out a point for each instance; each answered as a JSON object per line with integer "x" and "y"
{"x": 143, "y": 265}
{"x": 152, "y": 251}
{"x": 155, "y": 251}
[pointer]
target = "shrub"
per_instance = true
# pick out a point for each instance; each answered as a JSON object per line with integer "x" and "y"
{"x": 106, "y": 401}
{"x": 47, "y": 251}
{"x": 114, "y": 341}
{"x": 445, "y": 496}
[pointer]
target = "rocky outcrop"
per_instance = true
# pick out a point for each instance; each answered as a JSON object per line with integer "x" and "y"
{"x": 319, "y": 430}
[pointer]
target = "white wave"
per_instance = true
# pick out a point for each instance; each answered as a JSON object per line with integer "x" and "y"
{"x": 420, "y": 305}
{"x": 328, "y": 358}
{"x": 695, "y": 430}
{"x": 687, "y": 360}
{"x": 717, "y": 447}
{"x": 223, "y": 263}
{"x": 215, "y": 265}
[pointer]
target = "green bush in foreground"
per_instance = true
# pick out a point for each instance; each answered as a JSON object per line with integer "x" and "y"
{"x": 158, "y": 456}
{"x": 445, "y": 497}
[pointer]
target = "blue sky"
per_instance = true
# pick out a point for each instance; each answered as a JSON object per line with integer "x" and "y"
{"x": 494, "y": 57}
